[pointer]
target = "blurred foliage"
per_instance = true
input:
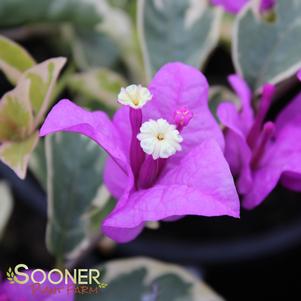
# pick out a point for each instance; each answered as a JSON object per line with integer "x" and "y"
{"x": 174, "y": 30}
{"x": 268, "y": 51}
{"x": 74, "y": 169}
{"x": 6, "y": 205}
{"x": 90, "y": 48}
{"x": 23, "y": 108}
{"x": 149, "y": 280}
{"x": 78, "y": 12}
{"x": 14, "y": 60}
{"x": 101, "y": 84}
{"x": 38, "y": 164}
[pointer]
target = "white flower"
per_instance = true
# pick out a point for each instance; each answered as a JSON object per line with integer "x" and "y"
{"x": 134, "y": 96}
{"x": 159, "y": 138}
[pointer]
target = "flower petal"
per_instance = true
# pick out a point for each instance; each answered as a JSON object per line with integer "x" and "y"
{"x": 237, "y": 151}
{"x": 18, "y": 292}
{"x": 291, "y": 181}
{"x": 122, "y": 234}
{"x": 234, "y": 6}
{"x": 266, "y": 5}
{"x": 290, "y": 114}
{"x": 68, "y": 117}
{"x": 201, "y": 185}
{"x": 283, "y": 157}
{"x": 121, "y": 120}
{"x": 231, "y": 6}
{"x": 175, "y": 86}
{"x": 244, "y": 94}
{"x": 114, "y": 177}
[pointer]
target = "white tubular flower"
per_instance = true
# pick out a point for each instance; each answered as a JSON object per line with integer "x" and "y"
{"x": 134, "y": 96}
{"x": 159, "y": 138}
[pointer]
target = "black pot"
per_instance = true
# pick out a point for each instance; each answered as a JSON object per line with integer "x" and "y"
{"x": 273, "y": 227}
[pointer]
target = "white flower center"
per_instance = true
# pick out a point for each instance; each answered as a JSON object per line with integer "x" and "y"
{"x": 159, "y": 138}
{"x": 134, "y": 96}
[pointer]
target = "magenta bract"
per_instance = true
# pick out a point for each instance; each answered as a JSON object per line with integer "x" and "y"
{"x": 261, "y": 153}
{"x": 234, "y": 6}
{"x": 195, "y": 180}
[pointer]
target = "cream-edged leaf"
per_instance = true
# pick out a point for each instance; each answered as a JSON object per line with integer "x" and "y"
{"x": 17, "y": 154}
{"x": 14, "y": 59}
{"x": 6, "y": 205}
{"x": 101, "y": 84}
{"x": 268, "y": 51}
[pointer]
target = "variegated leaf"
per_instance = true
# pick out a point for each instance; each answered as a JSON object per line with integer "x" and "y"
{"x": 177, "y": 30}
{"x": 16, "y": 118}
{"x": 74, "y": 169}
{"x": 101, "y": 84}
{"x": 14, "y": 59}
{"x": 6, "y": 205}
{"x": 42, "y": 79}
{"x": 268, "y": 51}
{"x": 17, "y": 154}
{"x": 149, "y": 280}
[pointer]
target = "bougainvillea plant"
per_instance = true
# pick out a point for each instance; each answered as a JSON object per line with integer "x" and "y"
{"x": 165, "y": 151}
{"x": 261, "y": 152}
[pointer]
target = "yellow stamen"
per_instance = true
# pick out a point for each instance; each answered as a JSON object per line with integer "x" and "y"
{"x": 135, "y": 102}
{"x": 160, "y": 137}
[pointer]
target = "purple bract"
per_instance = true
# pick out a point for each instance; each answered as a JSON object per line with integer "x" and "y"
{"x": 234, "y": 6}
{"x": 261, "y": 153}
{"x": 166, "y": 151}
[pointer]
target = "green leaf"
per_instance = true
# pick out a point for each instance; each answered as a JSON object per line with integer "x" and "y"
{"x": 171, "y": 287}
{"x": 114, "y": 38}
{"x": 79, "y": 12}
{"x": 17, "y": 154}
{"x": 268, "y": 51}
{"x": 74, "y": 174}
{"x": 102, "y": 85}
{"x": 6, "y": 205}
{"x": 14, "y": 59}
{"x": 118, "y": 26}
{"x": 90, "y": 48}
{"x": 16, "y": 120}
{"x": 37, "y": 164}
{"x": 103, "y": 46}
{"x": 145, "y": 279}
{"x": 22, "y": 109}
{"x": 177, "y": 30}
{"x": 42, "y": 79}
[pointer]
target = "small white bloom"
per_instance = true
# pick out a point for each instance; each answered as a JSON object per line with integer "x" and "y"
{"x": 159, "y": 138}
{"x": 134, "y": 96}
